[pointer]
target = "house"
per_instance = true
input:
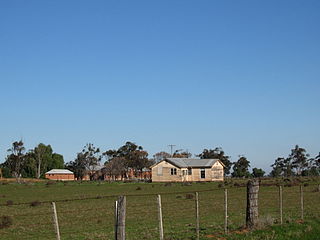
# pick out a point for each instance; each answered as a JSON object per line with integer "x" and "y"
{"x": 60, "y": 174}
{"x": 187, "y": 170}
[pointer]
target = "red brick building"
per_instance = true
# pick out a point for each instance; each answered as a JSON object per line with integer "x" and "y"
{"x": 60, "y": 174}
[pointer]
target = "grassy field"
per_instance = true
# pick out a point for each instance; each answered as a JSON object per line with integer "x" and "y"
{"x": 86, "y": 210}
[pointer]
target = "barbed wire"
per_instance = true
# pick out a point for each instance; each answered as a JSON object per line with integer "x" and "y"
{"x": 230, "y": 188}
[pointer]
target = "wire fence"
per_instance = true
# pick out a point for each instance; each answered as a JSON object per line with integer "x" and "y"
{"x": 93, "y": 217}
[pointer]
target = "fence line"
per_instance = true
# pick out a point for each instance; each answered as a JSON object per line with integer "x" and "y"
{"x": 168, "y": 221}
{"x": 151, "y": 194}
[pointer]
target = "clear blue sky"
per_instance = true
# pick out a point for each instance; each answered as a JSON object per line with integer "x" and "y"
{"x": 242, "y": 75}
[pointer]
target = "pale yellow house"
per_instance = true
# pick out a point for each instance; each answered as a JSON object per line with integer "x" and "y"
{"x": 187, "y": 170}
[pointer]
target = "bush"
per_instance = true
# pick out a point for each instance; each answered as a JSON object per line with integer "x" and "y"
{"x": 138, "y": 188}
{"x": 5, "y": 222}
{"x": 221, "y": 185}
{"x": 9, "y": 202}
{"x": 168, "y": 184}
{"x": 189, "y": 196}
{"x": 35, "y": 204}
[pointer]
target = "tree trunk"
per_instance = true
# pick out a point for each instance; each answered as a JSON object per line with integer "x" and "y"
{"x": 39, "y": 168}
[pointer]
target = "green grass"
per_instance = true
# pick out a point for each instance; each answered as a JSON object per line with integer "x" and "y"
{"x": 308, "y": 230}
{"x": 90, "y": 212}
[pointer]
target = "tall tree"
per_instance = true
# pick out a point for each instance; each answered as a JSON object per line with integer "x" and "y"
{"x": 16, "y": 158}
{"x": 133, "y": 156}
{"x": 257, "y": 172}
{"x": 217, "y": 153}
{"x": 313, "y": 168}
{"x": 299, "y": 159}
{"x": 43, "y": 159}
{"x": 115, "y": 167}
{"x": 317, "y": 161}
{"x": 78, "y": 166}
{"x": 277, "y": 167}
{"x": 92, "y": 158}
{"x": 241, "y": 167}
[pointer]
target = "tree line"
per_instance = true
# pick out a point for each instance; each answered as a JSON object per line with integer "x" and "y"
{"x": 117, "y": 163}
{"x": 32, "y": 163}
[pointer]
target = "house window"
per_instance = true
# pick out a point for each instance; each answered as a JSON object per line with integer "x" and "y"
{"x": 203, "y": 173}
{"x": 189, "y": 171}
{"x": 173, "y": 171}
{"x": 159, "y": 171}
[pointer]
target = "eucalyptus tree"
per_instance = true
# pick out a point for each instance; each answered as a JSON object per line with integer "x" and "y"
{"x": 241, "y": 168}
{"x": 129, "y": 156}
{"x": 299, "y": 159}
{"x": 15, "y": 159}
{"x": 217, "y": 153}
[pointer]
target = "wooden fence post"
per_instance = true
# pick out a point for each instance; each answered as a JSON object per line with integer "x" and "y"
{"x": 55, "y": 221}
{"x": 120, "y": 217}
{"x": 160, "y": 218}
{"x": 301, "y": 201}
{"x": 225, "y": 211}
{"x": 197, "y": 216}
{"x": 280, "y": 204}
{"x": 252, "y": 213}
{"x": 115, "y": 219}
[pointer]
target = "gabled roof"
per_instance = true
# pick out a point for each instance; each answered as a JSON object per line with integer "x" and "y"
{"x": 192, "y": 162}
{"x": 59, "y": 171}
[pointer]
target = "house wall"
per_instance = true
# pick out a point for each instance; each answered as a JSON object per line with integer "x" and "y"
{"x": 165, "y": 174}
{"x": 215, "y": 173}
{"x": 63, "y": 177}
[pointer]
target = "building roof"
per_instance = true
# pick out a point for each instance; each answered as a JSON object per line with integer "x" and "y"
{"x": 192, "y": 162}
{"x": 59, "y": 171}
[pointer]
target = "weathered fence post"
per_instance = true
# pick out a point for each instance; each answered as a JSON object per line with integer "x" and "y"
{"x": 301, "y": 201}
{"x": 55, "y": 221}
{"x": 280, "y": 204}
{"x": 115, "y": 219}
{"x": 197, "y": 216}
{"x": 225, "y": 211}
{"x": 252, "y": 213}
{"x": 160, "y": 218}
{"x": 120, "y": 218}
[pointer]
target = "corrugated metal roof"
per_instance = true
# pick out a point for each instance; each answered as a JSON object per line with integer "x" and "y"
{"x": 59, "y": 171}
{"x": 192, "y": 162}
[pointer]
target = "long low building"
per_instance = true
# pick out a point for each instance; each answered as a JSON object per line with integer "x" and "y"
{"x": 60, "y": 174}
{"x": 187, "y": 170}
